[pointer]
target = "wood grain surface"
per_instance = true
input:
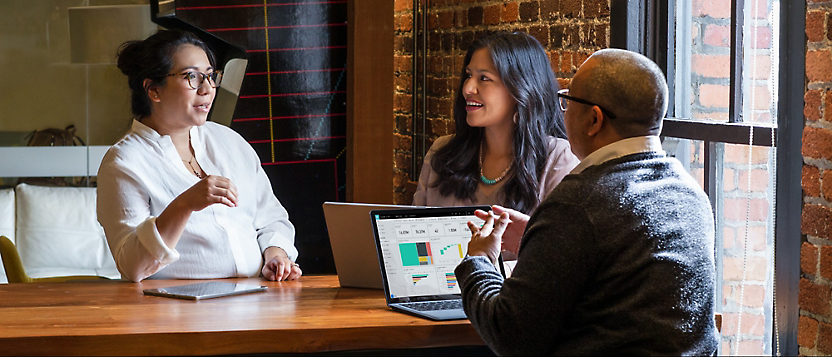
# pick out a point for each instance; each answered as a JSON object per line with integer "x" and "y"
{"x": 115, "y": 318}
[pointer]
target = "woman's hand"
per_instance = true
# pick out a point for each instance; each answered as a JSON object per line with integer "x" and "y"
{"x": 514, "y": 231}
{"x": 278, "y": 266}
{"x": 210, "y": 190}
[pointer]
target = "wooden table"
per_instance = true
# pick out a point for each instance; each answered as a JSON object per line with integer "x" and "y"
{"x": 114, "y": 318}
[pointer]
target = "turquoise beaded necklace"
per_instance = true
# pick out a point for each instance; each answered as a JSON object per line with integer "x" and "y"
{"x": 488, "y": 181}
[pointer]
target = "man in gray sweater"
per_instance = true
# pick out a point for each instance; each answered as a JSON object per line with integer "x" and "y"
{"x": 619, "y": 258}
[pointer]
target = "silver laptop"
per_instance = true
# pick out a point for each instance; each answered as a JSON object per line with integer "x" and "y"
{"x": 418, "y": 250}
{"x": 353, "y": 247}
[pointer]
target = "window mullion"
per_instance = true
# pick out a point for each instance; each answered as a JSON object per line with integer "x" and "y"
{"x": 737, "y": 24}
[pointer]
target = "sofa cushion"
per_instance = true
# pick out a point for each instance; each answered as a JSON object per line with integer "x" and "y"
{"x": 58, "y": 233}
{"x": 6, "y": 222}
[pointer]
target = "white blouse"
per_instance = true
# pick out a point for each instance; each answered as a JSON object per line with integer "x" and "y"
{"x": 140, "y": 176}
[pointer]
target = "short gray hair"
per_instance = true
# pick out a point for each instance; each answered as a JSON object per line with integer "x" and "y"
{"x": 632, "y": 87}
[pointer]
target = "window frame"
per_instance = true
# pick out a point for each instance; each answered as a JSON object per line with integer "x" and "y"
{"x": 647, "y": 27}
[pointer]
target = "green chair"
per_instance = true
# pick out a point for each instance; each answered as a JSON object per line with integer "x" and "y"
{"x": 16, "y": 274}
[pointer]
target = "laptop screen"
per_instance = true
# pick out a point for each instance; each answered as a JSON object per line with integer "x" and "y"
{"x": 419, "y": 250}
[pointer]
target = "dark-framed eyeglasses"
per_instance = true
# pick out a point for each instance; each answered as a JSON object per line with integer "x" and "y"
{"x": 564, "y": 98}
{"x": 195, "y": 79}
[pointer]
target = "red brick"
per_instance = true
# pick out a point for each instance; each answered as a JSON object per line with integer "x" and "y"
{"x": 812, "y": 108}
{"x": 566, "y": 62}
{"x": 751, "y": 323}
{"x": 762, "y": 9}
{"x": 810, "y": 180}
{"x": 570, "y": 8}
{"x": 403, "y": 102}
{"x": 757, "y": 237}
{"x": 759, "y": 180}
{"x": 714, "y": 96}
{"x": 815, "y": 221}
{"x": 756, "y": 269}
{"x": 753, "y": 296}
{"x": 402, "y": 5}
{"x": 728, "y": 178}
{"x": 750, "y": 348}
{"x": 399, "y": 178}
{"x": 491, "y": 14}
{"x": 406, "y": 23}
{"x": 402, "y": 161}
{"x": 717, "y": 35}
{"x": 813, "y": 297}
{"x": 826, "y": 262}
{"x": 403, "y": 83}
{"x": 763, "y": 37}
{"x": 763, "y": 69}
{"x": 826, "y": 189}
{"x": 446, "y": 19}
{"x": 549, "y": 9}
{"x": 713, "y": 8}
{"x": 808, "y": 258}
{"x": 819, "y": 66}
{"x": 601, "y": 35}
{"x": 511, "y": 12}
{"x": 827, "y": 104}
{"x": 433, "y": 21}
{"x": 825, "y": 338}
{"x": 814, "y": 25}
{"x": 475, "y": 16}
{"x": 817, "y": 143}
{"x": 807, "y": 332}
{"x": 738, "y": 154}
{"x": 529, "y": 11}
{"x": 461, "y": 18}
{"x": 762, "y": 98}
{"x": 554, "y": 60}
{"x": 596, "y": 8}
{"x": 541, "y": 34}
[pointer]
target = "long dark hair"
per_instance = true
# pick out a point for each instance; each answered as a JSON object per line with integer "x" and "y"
{"x": 524, "y": 68}
{"x": 152, "y": 59}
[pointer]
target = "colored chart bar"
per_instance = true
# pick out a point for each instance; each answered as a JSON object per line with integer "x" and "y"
{"x": 417, "y": 277}
{"x": 415, "y": 254}
{"x": 458, "y": 246}
{"x": 450, "y": 278}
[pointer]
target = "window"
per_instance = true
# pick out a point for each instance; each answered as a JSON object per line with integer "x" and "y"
{"x": 731, "y": 121}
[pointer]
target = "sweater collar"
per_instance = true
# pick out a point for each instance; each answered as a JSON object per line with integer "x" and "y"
{"x": 624, "y": 147}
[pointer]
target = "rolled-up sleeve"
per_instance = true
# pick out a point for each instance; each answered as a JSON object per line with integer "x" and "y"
{"x": 124, "y": 213}
{"x": 271, "y": 221}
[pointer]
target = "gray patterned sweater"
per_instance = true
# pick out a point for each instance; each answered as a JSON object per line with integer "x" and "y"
{"x": 618, "y": 259}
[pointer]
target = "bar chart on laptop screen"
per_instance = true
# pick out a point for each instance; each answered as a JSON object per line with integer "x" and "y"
{"x": 420, "y": 254}
{"x": 292, "y": 103}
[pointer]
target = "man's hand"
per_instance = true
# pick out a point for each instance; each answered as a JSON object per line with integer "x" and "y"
{"x": 485, "y": 241}
{"x": 514, "y": 230}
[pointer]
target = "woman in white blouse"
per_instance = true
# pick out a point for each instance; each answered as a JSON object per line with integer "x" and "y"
{"x": 180, "y": 197}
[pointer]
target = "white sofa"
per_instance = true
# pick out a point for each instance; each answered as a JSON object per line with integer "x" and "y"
{"x": 56, "y": 231}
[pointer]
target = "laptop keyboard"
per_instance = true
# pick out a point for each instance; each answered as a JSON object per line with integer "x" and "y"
{"x": 434, "y": 305}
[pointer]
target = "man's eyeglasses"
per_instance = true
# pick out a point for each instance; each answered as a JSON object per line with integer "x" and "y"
{"x": 564, "y": 98}
{"x": 195, "y": 79}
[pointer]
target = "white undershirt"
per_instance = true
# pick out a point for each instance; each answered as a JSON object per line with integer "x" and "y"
{"x": 143, "y": 173}
{"x": 618, "y": 149}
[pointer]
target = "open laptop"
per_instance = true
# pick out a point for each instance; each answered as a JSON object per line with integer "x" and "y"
{"x": 418, "y": 250}
{"x": 353, "y": 247}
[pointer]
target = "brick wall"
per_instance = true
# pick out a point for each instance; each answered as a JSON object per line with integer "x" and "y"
{"x": 570, "y": 31}
{"x": 815, "y": 322}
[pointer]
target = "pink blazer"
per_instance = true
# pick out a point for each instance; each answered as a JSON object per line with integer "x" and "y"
{"x": 560, "y": 162}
